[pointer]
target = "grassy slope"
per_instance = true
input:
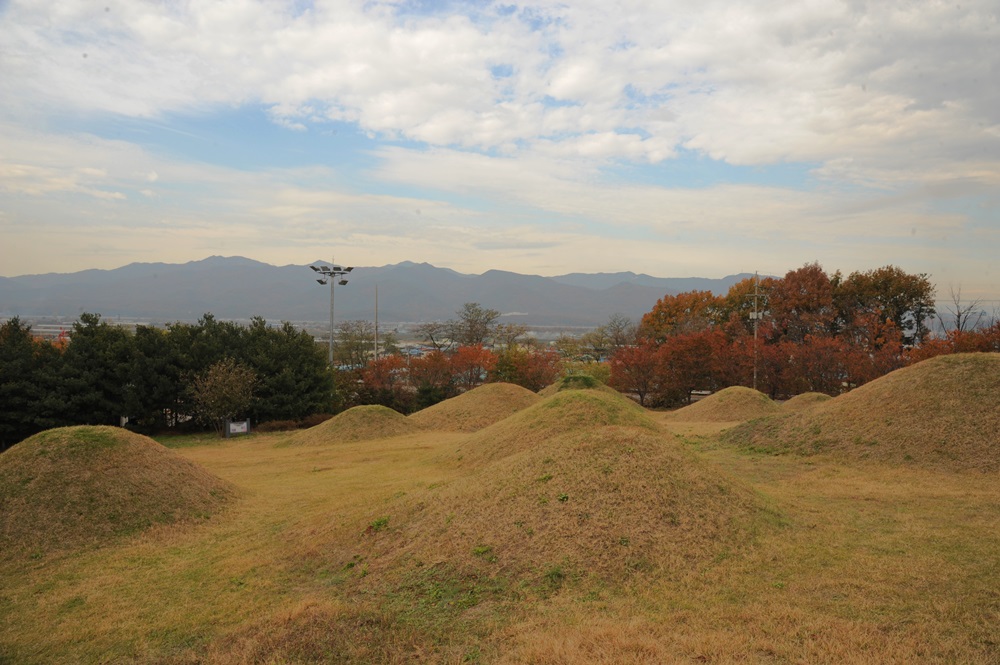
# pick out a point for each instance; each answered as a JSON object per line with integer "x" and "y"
{"x": 85, "y": 486}
{"x": 356, "y": 424}
{"x": 728, "y": 405}
{"x": 859, "y": 564}
{"x": 475, "y": 409}
{"x": 805, "y": 401}
{"x": 941, "y": 413}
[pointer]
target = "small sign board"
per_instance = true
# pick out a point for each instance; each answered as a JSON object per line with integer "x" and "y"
{"x": 237, "y": 427}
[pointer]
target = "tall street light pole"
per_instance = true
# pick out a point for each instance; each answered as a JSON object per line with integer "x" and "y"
{"x": 333, "y": 274}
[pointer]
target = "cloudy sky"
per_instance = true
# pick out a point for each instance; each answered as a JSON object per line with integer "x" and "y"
{"x": 675, "y": 138}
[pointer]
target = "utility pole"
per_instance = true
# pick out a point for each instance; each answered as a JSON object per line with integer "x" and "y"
{"x": 376, "y": 323}
{"x": 755, "y": 317}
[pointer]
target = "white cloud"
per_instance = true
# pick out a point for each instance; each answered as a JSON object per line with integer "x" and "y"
{"x": 753, "y": 83}
{"x": 524, "y": 111}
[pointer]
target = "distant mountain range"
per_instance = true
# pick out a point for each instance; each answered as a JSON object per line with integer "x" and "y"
{"x": 239, "y": 288}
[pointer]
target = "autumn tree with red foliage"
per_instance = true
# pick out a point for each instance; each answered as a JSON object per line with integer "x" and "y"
{"x": 471, "y": 365}
{"x": 385, "y": 381}
{"x": 815, "y": 332}
{"x": 801, "y": 304}
{"x": 679, "y": 314}
{"x": 634, "y": 370}
{"x": 529, "y": 368}
{"x": 688, "y": 363}
{"x": 431, "y": 376}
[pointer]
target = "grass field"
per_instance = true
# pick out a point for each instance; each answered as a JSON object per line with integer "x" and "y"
{"x": 317, "y": 561}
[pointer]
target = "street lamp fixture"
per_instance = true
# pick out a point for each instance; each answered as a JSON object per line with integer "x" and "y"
{"x": 330, "y": 275}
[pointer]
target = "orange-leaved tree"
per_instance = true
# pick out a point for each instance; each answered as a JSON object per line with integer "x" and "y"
{"x": 688, "y": 363}
{"x": 691, "y": 311}
{"x": 801, "y": 304}
{"x": 529, "y": 368}
{"x": 471, "y": 365}
{"x": 634, "y": 371}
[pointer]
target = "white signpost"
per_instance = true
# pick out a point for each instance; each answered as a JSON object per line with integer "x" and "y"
{"x": 237, "y": 427}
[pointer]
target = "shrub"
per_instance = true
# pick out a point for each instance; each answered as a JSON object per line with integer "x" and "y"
{"x": 314, "y": 419}
{"x": 277, "y": 426}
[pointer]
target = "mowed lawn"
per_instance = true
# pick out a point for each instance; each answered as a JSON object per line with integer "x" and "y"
{"x": 861, "y": 563}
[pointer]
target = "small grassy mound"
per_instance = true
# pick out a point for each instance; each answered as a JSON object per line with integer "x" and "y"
{"x": 805, "y": 401}
{"x": 731, "y": 404}
{"x": 940, "y": 413}
{"x": 598, "y": 506}
{"x": 565, "y": 412}
{"x": 575, "y": 382}
{"x": 476, "y": 409}
{"x": 83, "y": 486}
{"x": 359, "y": 423}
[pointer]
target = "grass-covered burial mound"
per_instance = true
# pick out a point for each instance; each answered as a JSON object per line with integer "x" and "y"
{"x": 804, "y": 401}
{"x": 940, "y": 413}
{"x": 476, "y": 409}
{"x": 596, "y": 505}
{"x": 581, "y": 488}
{"x": 85, "y": 486}
{"x": 359, "y": 423}
{"x": 575, "y": 382}
{"x": 731, "y": 404}
{"x": 563, "y": 413}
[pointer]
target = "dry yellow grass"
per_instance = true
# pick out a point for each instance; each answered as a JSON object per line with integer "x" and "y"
{"x": 691, "y": 430}
{"x": 84, "y": 486}
{"x": 169, "y": 594}
{"x": 940, "y": 413}
{"x": 597, "y": 506}
{"x": 804, "y": 401}
{"x": 563, "y": 413}
{"x": 870, "y": 566}
{"x": 394, "y": 551}
{"x": 476, "y": 409}
{"x": 359, "y": 423}
{"x": 321, "y": 631}
{"x": 732, "y": 404}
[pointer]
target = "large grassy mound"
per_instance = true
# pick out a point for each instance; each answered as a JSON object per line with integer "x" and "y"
{"x": 565, "y": 412}
{"x": 80, "y": 486}
{"x": 600, "y": 504}
{"x": 940, "y": 413}
{"x": 731, "y": 404}
{"x": 805, "y": 401}
{"x": 575, "y": 382}
{"x": 359, "y": 423}
{"x": 476, "y": 409}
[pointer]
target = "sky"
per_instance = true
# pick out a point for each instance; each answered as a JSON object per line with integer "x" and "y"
{"x": 673, "y": 138}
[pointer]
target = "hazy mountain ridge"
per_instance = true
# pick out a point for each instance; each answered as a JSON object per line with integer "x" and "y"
{"x": 239, "y": 288}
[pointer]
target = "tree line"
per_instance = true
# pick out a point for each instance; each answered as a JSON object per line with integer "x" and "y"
{"x": 197, "y": 375}
{"x": 464, "y": 352}
{"x": 808, "y": 331}
{"x": 157, "y": 378}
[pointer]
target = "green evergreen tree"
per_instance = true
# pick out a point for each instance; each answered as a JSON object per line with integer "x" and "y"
{"x": 29, "y": 384}
{"x": 293, "y": 378}
{"x": 155, "y": 400}
{"x": 97, "y": 372}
